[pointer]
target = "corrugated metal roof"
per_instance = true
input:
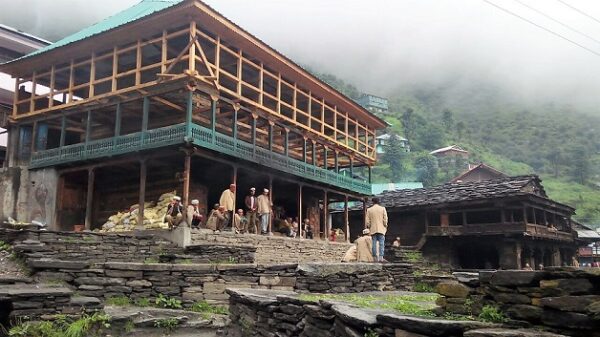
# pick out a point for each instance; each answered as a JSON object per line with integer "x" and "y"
{"x": 587, "y": 234}
{"x": 142, "y": 9}
{"x": 379, "y": 188}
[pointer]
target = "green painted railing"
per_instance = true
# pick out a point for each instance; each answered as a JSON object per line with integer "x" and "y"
{"x": 201, "y": 136}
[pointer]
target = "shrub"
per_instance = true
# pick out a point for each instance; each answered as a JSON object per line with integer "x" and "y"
{"x": 142, "y": 302}
{"x": 205, "y": 307}
{"x": 422, "y": 287}
{"x": 169, "y": 324}
{"x": 168, "y": 302}
{"x": 119, "y": 301}
{"x": 491, "y": 314}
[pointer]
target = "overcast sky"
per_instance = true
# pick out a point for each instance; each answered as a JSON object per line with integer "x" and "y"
{"x": 384, "y": 45}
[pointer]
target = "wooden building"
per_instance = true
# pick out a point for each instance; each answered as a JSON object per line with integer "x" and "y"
{"x": 478, "y": 172}
{"x": 171, "y": 95}
{"x": 452, "y": 151}
{"x": 502, "y": 223}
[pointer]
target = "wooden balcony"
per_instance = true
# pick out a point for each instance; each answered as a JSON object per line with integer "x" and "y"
{"x": 500, "y": 229}
{"x": 198, "y": 135}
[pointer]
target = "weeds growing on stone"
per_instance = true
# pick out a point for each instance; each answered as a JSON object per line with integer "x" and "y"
{"x": 413, "y": 256}
{"x": 169, "y": 324}
{"x": 205, "y": 307}
{"x": 151, "y": 260}
{"x": 142, "y": 302}
{"x": 371, "y": 333}
{"x": 6, "y": 247}
{"x": 87, "y": 325}
{"x": 119, "y": 301}
{"x": 491, "y": 314}
{"x": 168, "y": 302}
{"x": 422, "y": 287}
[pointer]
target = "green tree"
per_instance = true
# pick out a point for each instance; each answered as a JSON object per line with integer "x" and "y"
{"x": 448, "y": 119}
{"x": 427, "y": 168}
{"x": 395, "y": 155}
{"x": 460, "y": 130}
{"x": 408, "y": 124}
{"x": 580, "y": 164}
{"x": 430, "y": 137}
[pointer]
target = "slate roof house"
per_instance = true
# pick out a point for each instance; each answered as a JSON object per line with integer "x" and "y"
{"x": 478, "y": 172}
{"x": 501, "y": 223}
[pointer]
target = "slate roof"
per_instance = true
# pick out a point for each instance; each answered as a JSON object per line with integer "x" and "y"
{"x": 448, "y": 148}
{"x": 465, "y": 191}
{"x": 481, "y": 166}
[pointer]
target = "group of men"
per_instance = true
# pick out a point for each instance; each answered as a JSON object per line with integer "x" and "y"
{"x": 259, "y": 209}
{"x": 370, "y": 247}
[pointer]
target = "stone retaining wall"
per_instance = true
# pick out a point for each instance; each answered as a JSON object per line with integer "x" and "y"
{"x": 276, "y": 249}
{"x": 194, "y": 282}
{"x": 261, "y": 313}
{"x": 566, "y": 299}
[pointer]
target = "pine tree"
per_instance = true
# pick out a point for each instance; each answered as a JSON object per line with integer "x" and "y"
{"x": 427, "y": 169}
{"x": 394, "y": 156}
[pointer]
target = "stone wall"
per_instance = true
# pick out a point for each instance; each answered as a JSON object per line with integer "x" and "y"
{"x": 271, "y": 313}
{"x": 194, "y": 282}
{"x": 275, "y": 249}
{"x": 90, "y": 247}
{"x": 566, "y": 299}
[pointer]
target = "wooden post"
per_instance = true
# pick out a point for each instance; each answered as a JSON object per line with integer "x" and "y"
{"x": 346, "y": 218}
{"x": 325, "y": 216}
{"x": 118, "y": 120}
{"x": 213, "y": 117}
{"x": 304, "y": 150}
{"x": 254, "y": 117}
{"x": 365, "y": 212}
{"x": 145, "y": 112}
{"x": 271, "y": 201}
{"x": 271, "y": 124}
{"x": 234, "y": 181}
{"x": 188, "y": 116}
{"x": 325, "y": 157}
{"x": 314, "y": 154}
{"x": 337, "y": 162}
{"x": 89, "y": 202}
{"x": 63, "y": 130}
{"x": 142, "y": 197}
{"x": 370, "y": 174}
{"x": 286, "y": 142}
{"x": 234, "y": 123}
{"x": 88, "y": 127}
{"x": 300, "y": 210}
{"x": 351, "y": 167}
{"x": 186, "y": 179}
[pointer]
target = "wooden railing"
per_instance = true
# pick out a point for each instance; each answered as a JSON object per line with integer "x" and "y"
{"x": 201, "y": 136}
{"x": 500, "y": 228}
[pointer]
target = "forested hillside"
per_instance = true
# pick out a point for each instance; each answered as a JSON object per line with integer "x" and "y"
{"x": 559, "y": 143}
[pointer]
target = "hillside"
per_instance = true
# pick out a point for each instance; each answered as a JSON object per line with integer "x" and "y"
{"x": 559, "y": 143}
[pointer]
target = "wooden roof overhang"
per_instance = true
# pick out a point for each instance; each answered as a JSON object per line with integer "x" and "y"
{"x": 210, "y": 20}
{"x": 529, "y": 199}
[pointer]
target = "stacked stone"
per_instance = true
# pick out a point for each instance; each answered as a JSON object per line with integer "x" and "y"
{"x": 461, "y": 294}
{"x": 564, "y": 299}
{"x": 219, "y": 253}
{"x": 92, "y": 247}
{"x": 37, "y": 301}
{"x": 271, "y": 313}
{"x": 274, "y": 249}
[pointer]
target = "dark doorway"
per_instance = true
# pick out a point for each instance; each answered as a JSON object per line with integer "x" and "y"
{"x": 477, "y": 255}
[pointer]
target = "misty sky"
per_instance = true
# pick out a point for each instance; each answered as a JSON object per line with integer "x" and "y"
{"x": 382, "y": 46}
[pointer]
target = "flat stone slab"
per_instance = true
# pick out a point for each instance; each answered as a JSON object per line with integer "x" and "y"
{"x": 57, "y": 264}
{"x": 29, "y": 290}
{"x": 509, "y": 333}
{"x": 12, "y": 279}
{"x": 147, "y": 317}
{"x": 260, "y": 297}
{"x": 325, "y": 269}
{"x": 431, "y": 326}
{"x": 355, "y": 316}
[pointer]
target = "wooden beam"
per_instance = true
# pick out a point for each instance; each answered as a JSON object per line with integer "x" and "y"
{"x": 346, "y": 218}
{"x": 89, "y": 201}
{"x": 142, "y": 196}
{"x": 186, "y": 180}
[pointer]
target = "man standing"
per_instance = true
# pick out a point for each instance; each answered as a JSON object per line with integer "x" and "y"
{"x": 228, "y": 201}
{"x": 377, "y": 222}
{"x": 251, "y": 205}
{"x": 264, "y": 210}
{"x": 174, "y": 214}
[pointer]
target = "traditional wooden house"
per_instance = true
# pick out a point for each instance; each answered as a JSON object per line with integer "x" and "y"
{"x": 478, "y": 172}
{"x": 452, "y": 151}
{"x": 502, "y": 223}
{"x": 171, "y": 95}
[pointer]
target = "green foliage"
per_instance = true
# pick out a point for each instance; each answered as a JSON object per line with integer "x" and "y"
{"x": 422, "y": 287}
{"x": 5, "y": 247}
{"x": 169, "y": 324}
{"x": 205, "y": 307}
{"x": 142, "y": 302}
{"x": 185, "y": 261}
{"x": 151, "y": 260}
{"x": 129, "y": 326}
{"x": 61, "y": 326}
{"x": 168, "y": 302}
{"x": 371, "y": 333}
{"x": 413, "y": 256}
{"x": 119, "y": 301}
{"x": 427, "y": 168}
{"x": 394, "y": 156}
{"x": 491, "y": 314}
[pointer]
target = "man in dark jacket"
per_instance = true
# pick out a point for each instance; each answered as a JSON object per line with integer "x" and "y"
{"x": 174, "y": 214}
{"x": 251, "y": 215}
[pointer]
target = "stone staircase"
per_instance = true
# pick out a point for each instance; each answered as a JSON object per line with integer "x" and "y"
{"x": 426, "y": 274}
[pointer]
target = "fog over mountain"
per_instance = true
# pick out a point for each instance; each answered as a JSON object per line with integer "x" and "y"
{"x": 386, "y": 46}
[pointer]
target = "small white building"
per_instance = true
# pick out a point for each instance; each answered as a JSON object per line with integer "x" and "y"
{"x": 383, "y": 140}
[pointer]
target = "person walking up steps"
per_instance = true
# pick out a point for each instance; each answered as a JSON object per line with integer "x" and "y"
{"x": 377, "y": 222}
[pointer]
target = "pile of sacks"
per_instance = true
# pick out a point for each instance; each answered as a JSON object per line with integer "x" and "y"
{"x": 154, "y": 214}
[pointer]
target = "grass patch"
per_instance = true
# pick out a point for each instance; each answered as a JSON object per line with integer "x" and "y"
{"x": 87, "y": 325}
{"x": 119, "y": 301}
{"x": 185, "y": 261}
{"x": 207, "y": 308}
{"x": 151, "y": 260}
{"x": 142, "y": 302}
{"x": 418, "y": 305}
{"x": 422, "y": 287}
{"x": 168, "y": 324}
{"x": 412, "y": 256}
